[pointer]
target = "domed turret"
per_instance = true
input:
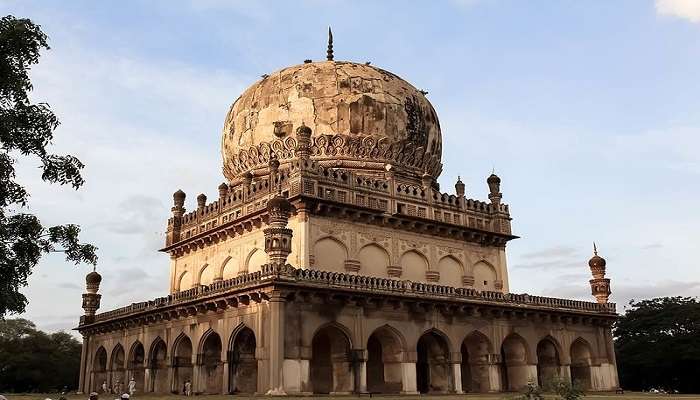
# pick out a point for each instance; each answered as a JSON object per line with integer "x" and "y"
{"x": 600, "y": 285}
{"x": 362, "y": 117}
{"x": 93, "y": 280}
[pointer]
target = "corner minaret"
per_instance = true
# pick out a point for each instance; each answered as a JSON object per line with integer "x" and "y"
{"x": 91, "y": 299}
{"x": 495, "y": 194}
{"x": 600, "y": 286}
{"x": 278, "y": 238}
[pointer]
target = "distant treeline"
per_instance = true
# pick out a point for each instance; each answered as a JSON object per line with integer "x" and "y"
{"x": 35, "y": 361}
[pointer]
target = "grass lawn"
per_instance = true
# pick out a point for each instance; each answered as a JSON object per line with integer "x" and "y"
{"x": 498, "y": 396}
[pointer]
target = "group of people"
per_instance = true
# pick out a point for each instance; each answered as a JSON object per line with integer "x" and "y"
{"x": 117, "y": 388}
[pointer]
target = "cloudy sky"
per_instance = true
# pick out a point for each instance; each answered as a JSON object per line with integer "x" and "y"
{"x": 589, "y": 112}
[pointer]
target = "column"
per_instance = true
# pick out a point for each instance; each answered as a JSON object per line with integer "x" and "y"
{"x": 147, "y": 380}
{"x": 277, "y": 303}
{"x": 83, "y": 367}
{"x": 171, "y": 376}
{"x": 408, "y": 378}
{"x": 457, "y": 376}
{"x": 225, "y": 380}
{"x": 360, "y": 358}
{"x": 494, "y": 371}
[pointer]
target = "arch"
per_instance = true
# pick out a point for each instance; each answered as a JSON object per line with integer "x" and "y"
{"x": 581, "y": 360}
{"x": 184, "y": 281}
{"x": 330, "y": 254}
{"x": 514, "y": 362}
{"x": 433, "y": 369}
{"x": 255, "y": 260}
{"x": 157, "y": 361}
{"x": 99, "y": 369}
{"x": 182, "y": 362}
{"x": 243, "y": 366}
{"x": 331, "y": 364}
{"x": 116, "y": 365}
{"x": 228, "y": 268}
{"x": 451, "y": 271}
{"x": 374, "y": 260}
{"x": 385, "y": 353}
{"x": 206, "y": 275}
{"x": 212, "y": 368}
{"x": 414, "y": 265}
{"x": 548, "y": 360}
{"x": 476, "y": 348}
{"x": 485, "y": 276}
{"x": 136, "y": 364}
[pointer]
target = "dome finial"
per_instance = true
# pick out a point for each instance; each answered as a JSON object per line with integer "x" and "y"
{"x": 595, "y": 250}
{"x": 329, "y": 52}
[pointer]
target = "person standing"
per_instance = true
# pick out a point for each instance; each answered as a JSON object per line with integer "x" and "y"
{"x": 132, "y": 386}
{"x": 188, "y": 388}
{"x": 105, "y": 388}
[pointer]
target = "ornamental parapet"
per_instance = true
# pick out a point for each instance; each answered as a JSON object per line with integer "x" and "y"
{"x": 309, "y": 180}
{"x": 285, "y": 274}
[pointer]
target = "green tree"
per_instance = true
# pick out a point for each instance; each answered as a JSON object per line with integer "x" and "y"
{"x": 26, "y": 130}
{"x": 34, "y": 361}
{"x": 658, "y": 345}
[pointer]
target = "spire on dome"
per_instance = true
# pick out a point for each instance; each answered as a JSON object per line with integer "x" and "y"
{"x": 329, "y": 52}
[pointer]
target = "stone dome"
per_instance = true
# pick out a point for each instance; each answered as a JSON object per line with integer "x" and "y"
{"x": 361, "y": 117}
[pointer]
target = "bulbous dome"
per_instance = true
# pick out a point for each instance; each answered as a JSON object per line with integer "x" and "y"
{"x": 361, "y": 117}
{"x": 93, "y": 278}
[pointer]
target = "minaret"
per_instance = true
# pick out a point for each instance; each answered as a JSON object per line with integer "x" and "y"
{"x": 460, "y": 187}
{"x": 495, "y": 194}
{"x": 91, "y": 299}
{"x": 173, "y": 233}
{"x": 600, "y": 285}
{"x": 303, "y": 150}
{"x": 278, "y": 238}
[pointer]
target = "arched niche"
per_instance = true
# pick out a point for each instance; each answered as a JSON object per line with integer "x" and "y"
{"x": 207, "y": 274}
{"x": 475, "y": 349}
{"x": 117, "y": 367}
{"x": 212, "y": 367}
{"x": 157, "y": 360}
{"x": 331, "y": 366}
{"x": 385, "y": 353}
{"x": 330, "y": 255}
{"x": 581, "y": 360}
{"x": 451, "y": 271}
{"x": 413, "y": 266}
{"x": 182, "y": 362}
{"x": 243, "y": 366}
{"x": 184, "y": 282}
{"x": 514, "y": 362}
{"x": 136, "y": 364}
{"x": 229, "y": 268}
{"x": 548, "y": 361}
{"x": 374, "y": 260}
{"x": 256, "y": 259}
{"x": 433, "y": 368}
{"x": 485, "y": 276}
{"x": 99, "y": 369}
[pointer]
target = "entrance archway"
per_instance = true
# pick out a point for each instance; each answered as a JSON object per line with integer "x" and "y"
{"x": 182, "y": 363}
{"x": 433, "y": 372}
{"x": 475, "y": 363}
{"x": 117, "y": 368}
{"x": 514, "y": 366}
{"x": 581, "y": 363}
{"x": 385, "y": 353}
{"x": 331, "y": 367}
{"x": 99, "y": 369}
{"x": 158, "y": 366}
{"x": 548, "y": 364}
{"x": 137, "y": 357}
{"x": 211, "y": 364}
{"x": 243, "y": 366}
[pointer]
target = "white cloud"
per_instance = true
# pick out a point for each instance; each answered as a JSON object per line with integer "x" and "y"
{"x": 684, "y": 9}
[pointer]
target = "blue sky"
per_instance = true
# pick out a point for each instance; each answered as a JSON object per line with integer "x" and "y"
{"x": 588, "y": 110}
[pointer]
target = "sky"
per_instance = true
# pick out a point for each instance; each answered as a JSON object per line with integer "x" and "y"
{"x": 589, "y": 111}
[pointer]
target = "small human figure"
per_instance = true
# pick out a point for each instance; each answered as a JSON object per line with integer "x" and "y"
{"x": 132, "y": 386}
{"x": 105, "y": 388}
{"x": 188, "y": 388}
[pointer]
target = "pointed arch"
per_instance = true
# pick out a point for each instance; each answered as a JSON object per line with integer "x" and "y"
{"x": 374, "y": 260}
{"x": 136, "y": 364}
{"x": 548, "y": 360}
{"x": 330, "y": 254}
{"x": 414, "y": 265}
{"x": 210, "y": 347}
{"x": 99, "y": 368}
{"x": 331, "y": 363}
{"x": 222, "y": 268}
{"x": 255, "y": 259}
{"x": 476, "y": 348}
{"x": 116, "y": 361}
{"x": 581, "y": 360}
{"x": 182, "y": 361}
{"x": 157, "y": 362}
{"x": 386, "y": 349}
{"x": 515, "y": 360}
{"x": 433, "y": 367}
{"x": 206, "y": 274}
{"x": 451, "y": 271}
{"x": 182, "y": 281}
{"x": 243, "y": 365}
{"x": 485, "y": 275}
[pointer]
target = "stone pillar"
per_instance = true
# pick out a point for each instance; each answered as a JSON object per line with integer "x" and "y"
{"x": 360, "y": 359}
{"x": 171, "y": 377}
{"x": 277, "y": 305}
{"x": 83, "y": 366}
{"x": 457, "y": 376}
{"x": 225, "y": 380}
{"x": 147, "y": 380}
{"x": 408, "y": 378}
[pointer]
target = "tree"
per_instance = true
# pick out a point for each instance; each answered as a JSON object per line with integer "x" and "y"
{"x": 658, "y": 345}
{"x": 34, "y": 361}
{"x": 26, "y": 130}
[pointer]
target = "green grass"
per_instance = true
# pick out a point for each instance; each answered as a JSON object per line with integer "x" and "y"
{"x": 496, "y": 396}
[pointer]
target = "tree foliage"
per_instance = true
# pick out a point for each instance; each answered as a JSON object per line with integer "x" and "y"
{"x": 34, "y": 361}
{"x": 26, "y": 130}
{"x": 658, "y": 345}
